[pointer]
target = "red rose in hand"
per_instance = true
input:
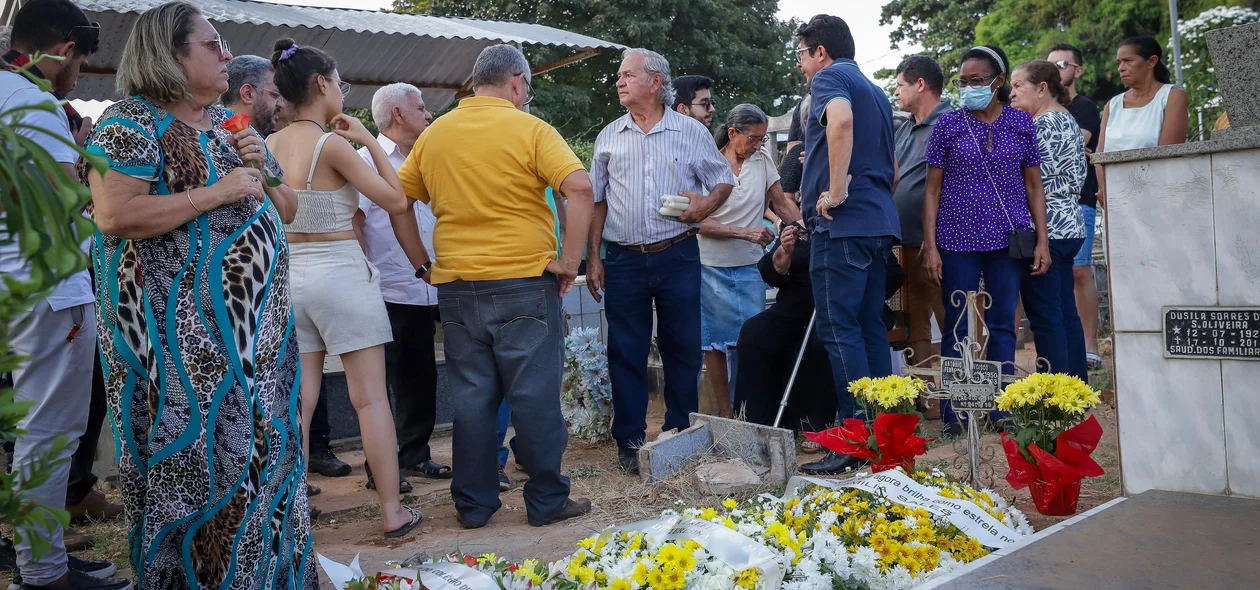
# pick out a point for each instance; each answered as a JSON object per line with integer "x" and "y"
{"x": 237, "y": 123}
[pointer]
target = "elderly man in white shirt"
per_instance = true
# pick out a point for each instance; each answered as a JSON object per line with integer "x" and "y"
{"x": 411, "y": 367}
{"x": 651, "y": 260}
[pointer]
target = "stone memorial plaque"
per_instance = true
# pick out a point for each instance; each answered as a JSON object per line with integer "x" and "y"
{"x": 976, "y": 391}
{"x": 1212, "y": 333}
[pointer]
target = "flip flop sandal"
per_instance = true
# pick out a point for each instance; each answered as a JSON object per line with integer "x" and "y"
{"x": 433, "y": 470}
{"x": 416, "y": 519}
{"x": 313, "y": 490}
{"x": 315, "y": 512}
{"x": 809, "y": 446}
{"x": 1093, "y": 362}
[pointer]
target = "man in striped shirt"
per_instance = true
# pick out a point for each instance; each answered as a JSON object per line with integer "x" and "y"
{"x": 651, "y": 259}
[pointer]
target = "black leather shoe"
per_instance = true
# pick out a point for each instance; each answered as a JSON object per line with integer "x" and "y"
{"x": 467, "y": 523}
{"x": 572, "y": 509}
{"x": 834, "y": 464}
{"x": 325, "y": 463}
{"x": 629, "y": 460}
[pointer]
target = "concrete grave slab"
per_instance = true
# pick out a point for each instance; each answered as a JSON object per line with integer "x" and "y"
{"x": 769, "y": 451}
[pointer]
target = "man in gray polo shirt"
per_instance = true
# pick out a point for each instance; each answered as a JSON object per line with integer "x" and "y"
{"x": 919, "y": 82}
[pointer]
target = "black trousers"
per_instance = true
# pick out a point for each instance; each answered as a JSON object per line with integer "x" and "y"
{"x": 81, "y": 477}
{"x": 321, "y": 431}
{"x": 768, "y": 345}
{"x": 411, "y": 371}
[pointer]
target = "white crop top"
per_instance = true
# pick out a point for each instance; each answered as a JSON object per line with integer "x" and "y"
{"x": 324, "y": 212}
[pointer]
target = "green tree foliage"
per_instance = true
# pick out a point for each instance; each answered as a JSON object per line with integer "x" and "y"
{"x": 1026, "y": 29}
{"x": 738, "y": 43}
{"x": 944, "y": 28}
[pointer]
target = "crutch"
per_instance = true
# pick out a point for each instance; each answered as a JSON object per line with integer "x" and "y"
{"x": 792, "y": 380}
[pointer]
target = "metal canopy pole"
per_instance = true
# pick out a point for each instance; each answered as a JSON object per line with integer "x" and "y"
{"x": 1176, "y": 39}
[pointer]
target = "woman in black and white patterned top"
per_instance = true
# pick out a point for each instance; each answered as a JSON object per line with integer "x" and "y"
{"x": 1049, "y": 300}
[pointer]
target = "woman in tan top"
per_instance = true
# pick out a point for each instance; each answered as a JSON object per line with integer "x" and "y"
{"x": 337, "y": 303}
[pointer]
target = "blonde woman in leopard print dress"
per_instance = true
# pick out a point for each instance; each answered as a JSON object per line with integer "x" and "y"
{"x": 195, "y": 322}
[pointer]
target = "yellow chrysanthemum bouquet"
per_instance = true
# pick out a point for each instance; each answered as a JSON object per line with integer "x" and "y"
{"x": 1053, "y": 438}
{"x": 888, "y": 403}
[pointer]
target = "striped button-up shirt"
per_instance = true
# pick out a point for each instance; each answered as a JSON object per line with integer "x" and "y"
{"x": 631, "y": 170}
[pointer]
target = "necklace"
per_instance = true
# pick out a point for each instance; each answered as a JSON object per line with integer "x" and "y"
{"x": 315, "y": 123}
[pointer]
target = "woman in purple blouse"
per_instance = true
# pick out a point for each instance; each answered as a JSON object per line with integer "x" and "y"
{"x": 984, "y": 182}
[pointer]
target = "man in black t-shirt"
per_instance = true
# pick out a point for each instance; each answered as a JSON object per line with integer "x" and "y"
{"x": 1069, "y": 60}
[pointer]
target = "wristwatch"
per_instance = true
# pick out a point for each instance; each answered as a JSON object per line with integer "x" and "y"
{"x": 424, "y": 268}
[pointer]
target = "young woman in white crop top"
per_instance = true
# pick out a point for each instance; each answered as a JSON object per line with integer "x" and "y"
{"x": 337, "y": 303}
{"x": 1152, "y": 112}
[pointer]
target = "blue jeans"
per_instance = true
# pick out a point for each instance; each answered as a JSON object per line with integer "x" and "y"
{"x": 633, "y": 282}
{"x": 1085, "y": 256}
{"x": 505, "y": 341}
{"x": 501, "y": 424}
{"x": 961, "y": 271}
{"x": 848, "y": 276}
{"x": 1050, "y": 302}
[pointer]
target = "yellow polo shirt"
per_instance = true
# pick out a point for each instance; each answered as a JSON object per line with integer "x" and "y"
{"x": 484, "y": 168}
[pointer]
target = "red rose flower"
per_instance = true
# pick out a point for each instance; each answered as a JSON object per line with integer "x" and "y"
{"x": 237, "y": 123}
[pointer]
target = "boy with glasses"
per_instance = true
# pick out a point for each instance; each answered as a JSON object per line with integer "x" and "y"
{"x": 693, "y": 96}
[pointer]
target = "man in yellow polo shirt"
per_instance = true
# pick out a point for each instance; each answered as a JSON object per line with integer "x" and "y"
{"x": 484, "y": 168}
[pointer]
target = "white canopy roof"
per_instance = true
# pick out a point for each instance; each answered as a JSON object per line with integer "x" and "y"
{"x": 372, "y": 48}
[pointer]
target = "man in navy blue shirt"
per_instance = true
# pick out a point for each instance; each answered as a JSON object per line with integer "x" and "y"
{"x": 846, "y": 196}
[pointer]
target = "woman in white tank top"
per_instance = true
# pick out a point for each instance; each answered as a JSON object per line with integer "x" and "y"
{"x": 337, "y": 303}
{"x": 1152, "y": 112}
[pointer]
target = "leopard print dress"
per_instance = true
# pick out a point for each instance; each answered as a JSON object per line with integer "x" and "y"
{"x": 201, "y": 370}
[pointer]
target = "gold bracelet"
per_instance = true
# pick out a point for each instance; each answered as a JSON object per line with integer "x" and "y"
{"x": 188, "y": 193}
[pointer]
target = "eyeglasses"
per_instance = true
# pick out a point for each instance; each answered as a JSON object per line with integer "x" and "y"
{"x": 1063, "y": 64}
{"x": 269, "y": 92}
{"x": 94, "y": 27}
{"x": 529, "y": 90}
{"x": 707, "y": 103}
{"x": 961, "y": 83}
{"x": 344, "y": 87}
{"x": 759, "y": 139}
{"x": 800, "y": 50}
{"x": 217, "y": 43}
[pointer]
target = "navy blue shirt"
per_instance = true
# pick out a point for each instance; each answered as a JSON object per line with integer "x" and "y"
{"x": 869, "y": 210}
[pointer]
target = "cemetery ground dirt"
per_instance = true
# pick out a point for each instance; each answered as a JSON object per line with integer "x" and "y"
{"x": 351, "y": 524}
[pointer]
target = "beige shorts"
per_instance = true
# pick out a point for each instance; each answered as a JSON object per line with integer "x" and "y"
{"x": 337, "y": 303}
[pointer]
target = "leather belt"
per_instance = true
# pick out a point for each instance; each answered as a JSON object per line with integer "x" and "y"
{"x": 662, "y": 245}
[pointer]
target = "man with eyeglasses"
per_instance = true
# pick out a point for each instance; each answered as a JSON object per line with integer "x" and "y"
{"x": 484, "y": 168}
{"x": 846, "y": 196}
{"x": 252, "y": 91}
{"x": 1069, "y": 59}
{"x": 56, "y": 338}
{"x": 693, "y": 96}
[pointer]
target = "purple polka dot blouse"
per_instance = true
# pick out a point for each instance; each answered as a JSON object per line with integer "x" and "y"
{"x": 971, "y": 218}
